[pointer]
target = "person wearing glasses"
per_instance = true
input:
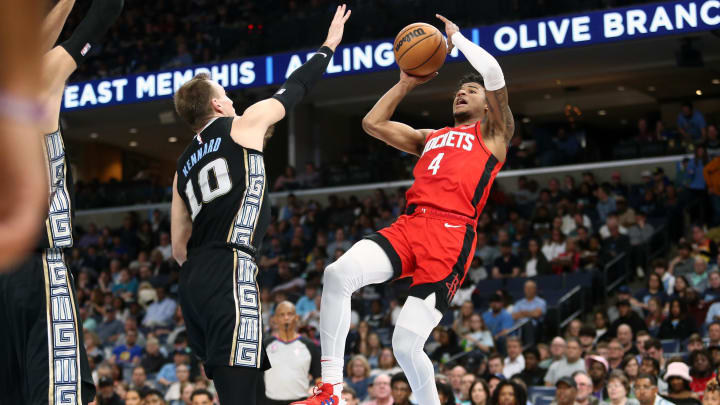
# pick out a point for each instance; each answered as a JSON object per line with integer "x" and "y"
{"x": 646, "y": 391}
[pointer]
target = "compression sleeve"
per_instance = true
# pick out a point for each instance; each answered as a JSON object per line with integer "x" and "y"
{"x": 303, "y": 79}
{"x": 482, "y": 61}
{"x": 99, "y": 18}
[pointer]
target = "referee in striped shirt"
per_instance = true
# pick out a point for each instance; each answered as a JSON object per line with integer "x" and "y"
{"x": 295, "y": 359}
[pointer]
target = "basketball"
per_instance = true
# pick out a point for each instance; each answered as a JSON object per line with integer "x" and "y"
{"x": 420, "y": 49}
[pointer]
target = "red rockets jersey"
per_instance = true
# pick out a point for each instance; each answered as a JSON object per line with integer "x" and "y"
{"x": 455, "y": 171}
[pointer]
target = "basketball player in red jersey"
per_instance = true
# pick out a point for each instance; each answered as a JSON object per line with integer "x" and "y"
{"x": 435, "y": 239}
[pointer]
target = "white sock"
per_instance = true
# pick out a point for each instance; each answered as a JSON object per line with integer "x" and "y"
{"x": 365, "y": 263}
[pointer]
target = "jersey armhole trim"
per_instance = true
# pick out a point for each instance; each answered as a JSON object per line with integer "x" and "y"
{"x": 479, "y": 136}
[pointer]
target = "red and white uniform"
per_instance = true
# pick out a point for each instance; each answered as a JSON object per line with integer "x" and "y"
{"x": 435, "y": 239}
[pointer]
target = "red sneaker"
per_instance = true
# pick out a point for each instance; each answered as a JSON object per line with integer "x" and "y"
{"x": 322, "y": 395}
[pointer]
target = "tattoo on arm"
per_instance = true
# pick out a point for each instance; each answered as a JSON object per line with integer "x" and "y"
{"x": 505, "y": 123}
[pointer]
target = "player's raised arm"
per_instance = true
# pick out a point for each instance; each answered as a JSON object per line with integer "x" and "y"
{"x": 54, "y": 22}
{"x": 500, "y": 118}
{"x": 401, "y": 136}
{"x": 250, "y": 128}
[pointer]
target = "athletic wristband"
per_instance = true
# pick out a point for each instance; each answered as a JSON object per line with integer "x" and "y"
{"x": 303, "y": 79}
{"x": 21, "y": 109}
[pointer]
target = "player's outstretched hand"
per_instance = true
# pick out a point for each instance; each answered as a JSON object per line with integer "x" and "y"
{"x": 337, "y": 27}
{"x": 414, "y": 81}
{"x": 450, "y": 29}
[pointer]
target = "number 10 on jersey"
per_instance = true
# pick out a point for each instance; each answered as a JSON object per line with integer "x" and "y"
{"x": 435, "y": 164}
{"x": 214, "y": 181}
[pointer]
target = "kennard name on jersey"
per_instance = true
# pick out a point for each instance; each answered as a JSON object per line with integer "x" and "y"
{"x": 223, "y": 186}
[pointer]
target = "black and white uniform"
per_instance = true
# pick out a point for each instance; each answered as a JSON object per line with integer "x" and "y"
{"x": 223, "y": 186}
{"x": 299, "y": 358}
{"x": 42, "y": 351}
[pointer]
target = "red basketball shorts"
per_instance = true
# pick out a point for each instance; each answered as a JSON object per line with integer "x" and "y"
{"x": 433, "y": 247}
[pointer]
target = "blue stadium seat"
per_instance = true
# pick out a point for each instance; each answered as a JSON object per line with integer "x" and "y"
{"x": 549, "y": 282}
{"x": 670, "y": 345}
{"x": 516, "y": 284}
{"x": 543, "y": 400}
{"x": 582, "y": 278}
{"x": 538, "y": 391}
{"x": 552, "y": 297}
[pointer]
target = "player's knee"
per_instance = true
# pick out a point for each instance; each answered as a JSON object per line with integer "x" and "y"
{"x": 336, "y": 278}
{"x": 402, "y": 344}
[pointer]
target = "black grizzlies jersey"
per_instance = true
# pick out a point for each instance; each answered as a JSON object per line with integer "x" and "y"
{"x": 57, "y": 229}
{"x": 224, "y": 189}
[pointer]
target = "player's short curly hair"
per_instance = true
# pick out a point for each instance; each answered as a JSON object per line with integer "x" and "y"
{"x": 471, "y": 77}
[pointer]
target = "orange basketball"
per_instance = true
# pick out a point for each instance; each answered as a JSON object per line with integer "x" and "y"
{"x": 420, "y": 49}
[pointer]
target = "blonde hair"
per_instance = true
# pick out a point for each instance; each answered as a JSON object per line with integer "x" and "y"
{"x": 362, "y": 359}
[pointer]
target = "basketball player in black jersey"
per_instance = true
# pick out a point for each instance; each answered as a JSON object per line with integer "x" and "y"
{"x": 42, "y": 355}
{"x": 220, "y": 212}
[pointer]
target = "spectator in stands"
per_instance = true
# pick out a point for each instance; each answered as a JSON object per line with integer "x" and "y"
{"x": 358, "y": 376}
{"x": 455, "y": 378}
{"x": 167, "y": 374}
{"x": 694, "y": 342}
{"x": 691, "y": 124}
{"x": 702, "y": 245}
{"x": 483, "y": 250}
{"x": 681, "y": 286}
{"x": 449, "y": 345}
{"x": 306, "y": 303}
{"x": 597, "y": 368}
{"x": 682, "y": 264}
{"x": 532, "y": 374}
{"x": 310, "y": 178}
{"x": 565, "y": 391}
{"x": 558, "y": 346}
{"x": 110, "y": 328}
{"x": 615, "y": 354}
{"x": 160, "y": 312}
{"x": 698, "y": 279}
{"x": 495, "y": 365}
{"x": 640, "y": 339}
{"x": 467, "y": 381}
{"x": 655, "y": 315}
{"x": 651, "y": 366}
{"x": 514, "y": 362}
{"x": 400, "y": 389}
{"x": 445, "y": 393}
{"x": 713, "y": 333}
{"x": 497, "y": 319}
{"x": 479, "y": 337}
{"x": 175, "y": 390}
{"x": 605, "y": 204}
{"x": 567, "y": 366}
{"x": 106, "y": 394}
{"x": 712, "y": 394}
{"x": 349, "y": 395}
{"x": 626, "y": 316}
{"x": 711, "y": 173}
{"x": 129, "y": 353}
{"x": 653, "y": 288}
{"x": 586, "y": 337}
{"x": 380, "y": 391}
{"x": 712, "y": 292}
{"x": 554, "y": 246}
{"x": 152, "y": 397}
{"x": 601, "y": 322}
{"x": 701, "y": 370}
{"x": 153, "y": 359}
{"x": 660, "y": 267}
{"x": 387, "y": 364}
{"x": 201, "y": 397}
{"x": 573, "y": 329}
{"x": 640, "y": 234}
{"x": 339, "y": 243}
{"x": 697, "y": 189}
{"x": 479, "y": 393}
{"x": 535, "y": 261}
{"x": 646, "y": 391}
{"x": 139, "y": 381}
{"x": 164, "y": 246}
{"x": 625, "y": 338}
{"x": 584, "y": 389}
{"x": 508, "y": 264}
{"x": 618, "y": 388}
{"x": 678, "y": 380}
{"x": 509, "y": 393}
{"x": 287, "y": 181}
{"x": 654, "y": 349}
{"x": 631, "y": 367}
{"x": 132, "y": 397}
{"x": 531, "y": 307}
{"x": 616, "y": 243}
{"x": 677, "y": 325}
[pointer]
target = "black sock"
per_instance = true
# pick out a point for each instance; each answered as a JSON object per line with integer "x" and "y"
{"x": 236, "y": 385}
{"x": 100, "y": 17}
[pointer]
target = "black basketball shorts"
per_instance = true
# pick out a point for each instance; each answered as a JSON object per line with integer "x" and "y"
{"x": 42, "y": 351}
{"x": 220, "y": 301}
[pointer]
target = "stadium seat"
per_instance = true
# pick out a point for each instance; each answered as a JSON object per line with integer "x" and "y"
{"x": 580, "y": 278}
{"x": 670, "y": 345}
{"x": 544, "y": 400}
{"x": 487, "y": 287}
{"x": 516, "y": 284}
{"x": 549, "y": 282}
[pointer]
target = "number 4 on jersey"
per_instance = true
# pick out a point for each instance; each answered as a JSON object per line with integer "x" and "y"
{"x": 435, "y": 164}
